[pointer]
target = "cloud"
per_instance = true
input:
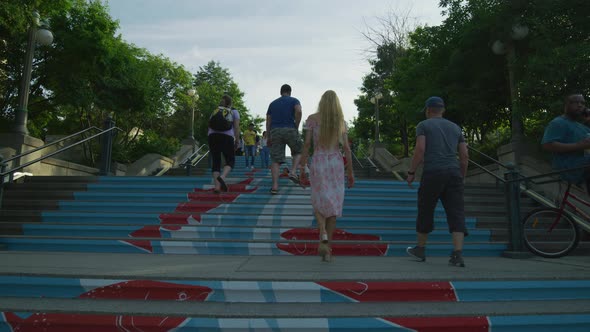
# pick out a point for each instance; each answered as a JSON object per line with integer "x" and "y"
{"x": 312, "y": 45}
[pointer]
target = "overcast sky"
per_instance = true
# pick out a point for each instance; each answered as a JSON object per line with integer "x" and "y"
{"x": 313, "y": 45}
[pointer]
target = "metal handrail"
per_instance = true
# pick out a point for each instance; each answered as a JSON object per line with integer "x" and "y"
{"x": 357, "y": 159}
{"x": 189, "y": 159}
{"x": 163, "y": 171}
{"x": 583, "y": 223}
{"x": 202, "y": 157}
{"x": 515, "y": 184}
{"x": 4, "y": 173}
{"x": 488, "y": 157}
{"x": 487, "y": 171}
{"x": 532, "y": 178}
{"x": 50, "y": 144}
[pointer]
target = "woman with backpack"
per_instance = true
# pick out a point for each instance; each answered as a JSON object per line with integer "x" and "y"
{"x": 224, "y": 137}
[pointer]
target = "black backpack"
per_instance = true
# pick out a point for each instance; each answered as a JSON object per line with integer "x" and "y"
{"x": 222, "y": 119}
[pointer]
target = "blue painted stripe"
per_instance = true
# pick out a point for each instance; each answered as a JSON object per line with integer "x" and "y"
{"x": 110, "y": 196}
{"x": 216, "y": 248}
{"x": 521, "y": 290}
{"x": 239, "y": 219}
{"x": 23, "y": 286}
{"x": 214, "y": 232}
{"x": 259, "y": 187}
{"x": 277, "y": 209}
{"x": 244, "y": 198}
{"x": 550, "y": 323}
{"x": 547, "y": 323}
{"x": 288, "y": 324}
{"x": 207, "y": 178}
{"x": 100, "y": 217}
{"x": 296, "y": 291}
{"x": 265, "y": 324}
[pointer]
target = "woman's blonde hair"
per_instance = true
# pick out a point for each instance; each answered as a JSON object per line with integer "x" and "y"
{"x": 331, "y": 119}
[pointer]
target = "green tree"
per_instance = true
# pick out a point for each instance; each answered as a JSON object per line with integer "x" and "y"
{"x": 212, "y": 81}
{"x": 15, "y": 19}
{"x": 454, "y": 60}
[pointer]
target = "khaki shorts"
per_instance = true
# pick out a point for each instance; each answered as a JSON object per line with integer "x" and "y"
{"x": 279, "y": 137}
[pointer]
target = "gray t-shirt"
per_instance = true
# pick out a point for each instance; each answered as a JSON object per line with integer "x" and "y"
{"x": 442, "y": 139}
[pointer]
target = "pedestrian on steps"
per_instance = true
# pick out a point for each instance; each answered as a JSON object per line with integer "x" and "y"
{"x": 282, "y": 122}
{"x": 223, "y": 141}
{"x": 327, "y": 130}
{"x": 437, "y": 142}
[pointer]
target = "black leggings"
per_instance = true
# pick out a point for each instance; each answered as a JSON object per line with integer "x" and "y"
{"x": 221, "y": 144}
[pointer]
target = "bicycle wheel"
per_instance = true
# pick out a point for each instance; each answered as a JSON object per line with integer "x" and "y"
{"x": 549, "y": 233}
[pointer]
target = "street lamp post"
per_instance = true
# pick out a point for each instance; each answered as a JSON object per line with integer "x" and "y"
{"x": 193, "y": 94}
{"x": 519, "y": 32}
{"x": 375, "y": 100}
{"x": 38, "y": 33}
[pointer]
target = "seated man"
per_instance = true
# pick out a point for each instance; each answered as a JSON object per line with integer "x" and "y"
{"x": 567, "y": 137}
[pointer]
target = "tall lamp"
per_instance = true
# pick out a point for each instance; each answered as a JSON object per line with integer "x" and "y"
{"x": 499, "y": 47}
{"x": 38, "y": 33}
{"x": 375, "y": 100}
{"x": 193, "y": 93}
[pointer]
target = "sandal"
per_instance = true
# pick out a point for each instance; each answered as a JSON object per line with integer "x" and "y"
{"x": 274, "y": 191}
{"x": 222, "y": 184}
{"x": 323, "y": 248}
{"x": 325, "y": 252}
{"x": 328, "y": 256}
{"x": 294, "y": 178}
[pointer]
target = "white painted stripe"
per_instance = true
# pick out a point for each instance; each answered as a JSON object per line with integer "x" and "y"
{"x": 91, "y": 284}
{"x": 242, "y": 291}
{"x": 297, "y": 291}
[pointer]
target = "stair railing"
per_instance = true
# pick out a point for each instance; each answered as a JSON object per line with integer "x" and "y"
{"x": 515, "y": 184}
{"x": 512, "y": 192}
{"x": 553, "y": 177}
{"x": 365, "y": 156}
{"x": 194, "y": 159}
{"x": 357, "y": 159}
{"x": 7, "y": 175}
{"x": 51, "y": 144}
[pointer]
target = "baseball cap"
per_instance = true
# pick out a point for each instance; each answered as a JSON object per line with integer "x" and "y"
{"x": 434, "y": 101}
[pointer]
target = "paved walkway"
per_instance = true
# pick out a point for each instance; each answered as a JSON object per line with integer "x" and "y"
{"x": 295, "y": 268}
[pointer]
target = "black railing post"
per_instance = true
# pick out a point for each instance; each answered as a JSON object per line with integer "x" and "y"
{"x": 516, "y": 247}
{"x": 189, "y": 167}
{"x": 3, "y": 167}
{"x": 107, "y": 147}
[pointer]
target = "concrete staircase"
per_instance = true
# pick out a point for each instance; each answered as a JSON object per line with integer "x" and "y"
{"x": 167, "y": 254}
{"x": 363, "y": 169}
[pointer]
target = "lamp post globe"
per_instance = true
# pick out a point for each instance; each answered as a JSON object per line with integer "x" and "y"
{"x": 498, "y": 47}
{"x": 519, "y": 31}
{"x": 44, "y": 37}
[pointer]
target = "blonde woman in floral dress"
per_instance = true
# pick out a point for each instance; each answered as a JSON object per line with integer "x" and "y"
{"x": 327, "y": 130}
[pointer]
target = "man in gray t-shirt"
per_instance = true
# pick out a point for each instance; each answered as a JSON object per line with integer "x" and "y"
{"x": 437, "y": 142}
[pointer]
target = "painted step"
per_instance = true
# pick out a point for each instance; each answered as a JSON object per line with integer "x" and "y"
{"x": 234, "y": 247}
{"x": 295, "y": 291}
{"x": 257, "y": 209}
{"x": 243, "y": 233}
{"x": 213, "y": 219}
{"x": 67, "y": 315}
